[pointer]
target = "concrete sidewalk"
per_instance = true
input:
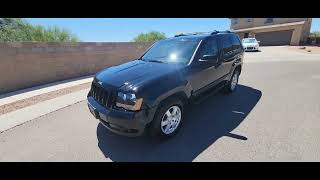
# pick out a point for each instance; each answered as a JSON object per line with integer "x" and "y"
{"x": 38, "y": 90}
{"x": 25, "y": 114}
{"x": 18, "y": 117}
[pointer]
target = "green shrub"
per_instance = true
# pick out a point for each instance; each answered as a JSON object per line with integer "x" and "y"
{"x": 19, "y": 30}
{"x": 149, "y": 37}
{"x": 315, "y": 34}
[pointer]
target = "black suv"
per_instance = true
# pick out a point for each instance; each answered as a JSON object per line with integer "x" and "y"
{"x": 151, "y": 93}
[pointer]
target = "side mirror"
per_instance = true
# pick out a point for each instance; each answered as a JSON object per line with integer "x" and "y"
{"x": 258, "y": 41}
{"x": 207, "y": 58}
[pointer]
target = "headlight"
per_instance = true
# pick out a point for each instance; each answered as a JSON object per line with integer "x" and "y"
{"x": 128, "y": 101}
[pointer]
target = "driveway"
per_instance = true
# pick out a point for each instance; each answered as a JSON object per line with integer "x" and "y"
{"x": 273, "y": 116}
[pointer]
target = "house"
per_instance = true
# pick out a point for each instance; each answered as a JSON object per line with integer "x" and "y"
{"x": 273, "y": 31}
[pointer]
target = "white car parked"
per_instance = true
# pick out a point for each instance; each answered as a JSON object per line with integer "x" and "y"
{"x": 250, "y": 44}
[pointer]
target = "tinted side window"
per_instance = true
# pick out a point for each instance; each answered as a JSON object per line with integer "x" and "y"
{"x": 210, "y": 47}
{"x": 227, "y": 44}
{"x": 236, "y": 42}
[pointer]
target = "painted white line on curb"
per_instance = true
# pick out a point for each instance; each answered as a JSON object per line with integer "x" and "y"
{"x": 38, "y": 90}
{"x": 18, "y": 117}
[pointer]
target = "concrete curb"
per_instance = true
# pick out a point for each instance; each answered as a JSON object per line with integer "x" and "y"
{"x": 21, "y": 116}
{"x": 38, "y": 90}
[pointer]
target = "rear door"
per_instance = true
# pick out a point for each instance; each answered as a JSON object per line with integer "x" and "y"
{"x": 231, "y": 50}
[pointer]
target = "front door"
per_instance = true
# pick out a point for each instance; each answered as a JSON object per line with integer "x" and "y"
{"x": 203, "y": 70}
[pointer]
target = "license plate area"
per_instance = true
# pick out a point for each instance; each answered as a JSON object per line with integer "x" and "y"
{"x": 93, "y": 111}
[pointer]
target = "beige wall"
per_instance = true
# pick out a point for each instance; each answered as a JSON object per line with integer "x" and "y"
{"x": 306, "y": 29}
{"x": 296, "y": 34}
{"x": 24, "y": 65}
{"x": 242, "y": 22}
{"x": 300, "y": 32}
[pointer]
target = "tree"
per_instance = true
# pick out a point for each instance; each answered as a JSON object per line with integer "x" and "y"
{"x": 19, "y": 30}
{"x": 52, "y": 34}
{"x": 151, "y": 36}
{"x": 315, "y": 34}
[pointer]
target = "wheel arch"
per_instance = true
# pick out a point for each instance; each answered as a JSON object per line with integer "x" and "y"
{"x": 181, "y": 95}
{"x": 239, "y": 67}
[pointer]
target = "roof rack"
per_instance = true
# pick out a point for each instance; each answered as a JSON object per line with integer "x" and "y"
{"x": 197, "y": 33}
{"x": 227, "y": 31}
{"x": 214, "y": 32}
{"x": 187, "y": 34}
{"x": 181, "y": 34}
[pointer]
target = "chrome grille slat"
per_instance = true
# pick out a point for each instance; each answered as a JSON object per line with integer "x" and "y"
{"x": 101, "y": 95}
{"x": 105, "y": 100}
{"x": 98, "y": 94}
{"x": 95, "y": 92}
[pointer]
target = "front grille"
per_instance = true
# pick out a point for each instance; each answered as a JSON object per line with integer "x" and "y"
{"x": 250, "y": 48}
{"x": 101, "y": 95}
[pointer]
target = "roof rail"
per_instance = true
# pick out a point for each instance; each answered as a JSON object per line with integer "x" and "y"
{"x": 227, "y": 31}
{"x": 196, "y": 33}
{"x": 187, "y": 34}
{"x": 214, "y": 32}
{"x": 178, "y": 35}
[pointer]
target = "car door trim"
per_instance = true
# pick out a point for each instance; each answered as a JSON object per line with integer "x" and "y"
{"x": 194, "y": 53}
{"x": 211, "y": 85}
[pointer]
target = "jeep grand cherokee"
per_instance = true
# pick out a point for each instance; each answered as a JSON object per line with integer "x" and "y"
{"x": 151, "y": 93}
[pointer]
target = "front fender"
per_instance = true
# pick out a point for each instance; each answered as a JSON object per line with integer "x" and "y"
{"x": 164, "y": 89}
{"x": 181, "y": 90}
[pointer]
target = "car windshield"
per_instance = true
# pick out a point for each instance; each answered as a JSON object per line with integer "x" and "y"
{"x": 178, "y": 50}
{"x": 249, "y": 40}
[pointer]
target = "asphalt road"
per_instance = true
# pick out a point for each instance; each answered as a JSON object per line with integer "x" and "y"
{"x": 273, "y": 116}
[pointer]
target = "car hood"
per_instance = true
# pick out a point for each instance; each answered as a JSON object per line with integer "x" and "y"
{"x": 135, "y": 73}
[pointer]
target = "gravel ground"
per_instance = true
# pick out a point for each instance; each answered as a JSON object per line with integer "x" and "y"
{"x": 39, "y": 98}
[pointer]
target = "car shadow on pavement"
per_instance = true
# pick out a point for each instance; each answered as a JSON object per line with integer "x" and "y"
{"x": 254, "y": 51}
{"x": 204, "y": 123}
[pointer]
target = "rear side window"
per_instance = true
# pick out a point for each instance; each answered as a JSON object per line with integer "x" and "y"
{"x": 227, "y": 44}
{"x": 235, "y": 42}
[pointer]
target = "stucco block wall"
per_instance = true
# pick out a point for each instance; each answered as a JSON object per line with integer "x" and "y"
{"x": 242, "y": 22}
{"x": 300, "y": 32}
{"x": 24, "y": 65}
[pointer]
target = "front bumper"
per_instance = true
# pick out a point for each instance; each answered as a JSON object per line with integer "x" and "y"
{"x": 121, "y": 122}
{"x": 251, "y": 48}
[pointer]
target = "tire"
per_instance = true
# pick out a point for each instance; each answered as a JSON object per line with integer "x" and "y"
{"x": 230, "y": 88}
{"x": 157, "y": 127}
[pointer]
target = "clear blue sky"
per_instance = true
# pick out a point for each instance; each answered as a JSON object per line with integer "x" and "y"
{"x": 125, "y": 29}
